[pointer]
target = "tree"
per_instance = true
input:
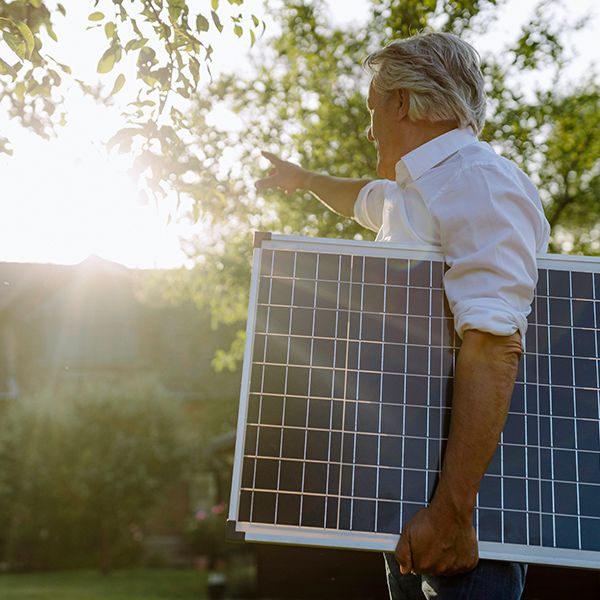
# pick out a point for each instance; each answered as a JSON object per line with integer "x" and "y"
{"x": 167, "y": 39}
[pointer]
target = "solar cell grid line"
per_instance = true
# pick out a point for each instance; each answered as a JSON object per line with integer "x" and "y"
{"x": 548, "y": 456}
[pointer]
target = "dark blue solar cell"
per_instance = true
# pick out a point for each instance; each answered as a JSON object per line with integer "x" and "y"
{"x": 264, "y": 290}
{"x": 372, "y": 298}
{"x": 369, "y": 387}
{"x": 319, "y": 413}
{"x": 562, "y": 402}
{"x": 414, "y": 453}
{"x": 418, "y": 331}
{"x": 395, "y": 329}
{"x": 416, "y": 390}
{"x": 562, "y": 370}
{"x": 363, "y": 515}
{"x": 565, "y": 498}
{"x": 266, "y": 474}
{"x": 315, "y": 477}
{"x": 357, "y": 268}
{"x": 545, "y": 463}
{"x": 544, "y": 399}
{"x": 532, "y": 430}
{"x": 514, "y": 429}
{"x": 564, "y": 465}
{"x": 290, "y": 477}
{"x": 344, "y": 516}
{"x": 250, "y": 440}
{"x": 345, "y": 268}
{"x": 322, "y": 353}
{"x": 288, "y": 509}
{"x": 395, "y": 300}
{"x": 517, "y": 403}
{"x": 587, "y": 403}
{"x": 388, "y": 517}
{"x": 515, "y": 493}
{"x": 560, "y": 341}
{"x": 370, "y": 356}
{"x": 490, "y": 494}
{"x": 276, "y": 351}
{"x": 334, "y": 479}
{"x": 590, "y": 534}
{"x": 313, "y": 511}
{"x": 415, "y": 421}
{"x": 335, "y": 446}
{"x": 390, "y": 484}
{"x": 541, "y": 313}
{"x": 263, "y": 507}
{"x": 329, "y": 267}
{"x": 271, "y": 410}
{"x": 393, "y": 358}
{"x": 353, "y": 355}
{"x": 266, "y": 261}
{"x": 586, "y": 372}
{"x": 341, "y": 350}
{"x": 588, "y": 436}
{"x": 418, "y": 301}
{"x": 419, "y": 274}
{"x": 560, "y": 312}
{"x": 542, "y": 283}
{"x": 375, "y": 269}
{"x": 513, "y": 460}
{"x": 365, "y": 482}
{"x": 583, "y": 313}
{"x": 245, "y": 506}
{"x": 348, "y": 444}
{"x": 324, "y": 324}
{"x": 391, "y": 451}
{"x": 397, "y": 271}
{"x": 253, "y": 408}
{"x": 326, "y": 294}
{"x": 559, "y": 283}
{"x": 283, "y": 264}
{"x": 566, "y": 532}
{"x": 515, "y": 527}
{"x": 295, "y": 412}
{"x": 300, "y": 350}
{"x": 547, "y": 496}
{"x": 317, "y": 445}
{"x": 321, "y": 382}
{"x": 417, "y": 360}
{"x": 351, "y": 385}
{"x": 413, "y": 486}
{"x": 393, "y": 388}
{"x": 248, "y": 466}
{"x": 563, "y": 433}
{"x": 261, "y": 319}
{"x": 281, "y": 292}
{"x": 306, "y": 265}
{"x": 533, "y": 493}
{"x": 366, "y": 449}
{"x": 584, "y": 343}
{"x": 434, "y": 458}
{"x": 494, "y": 468}
{"x": 372, "y": 327}
{"x": 269, "y": 441}
{"x": 302, "y": 321}
{"x": 350, "y": 416}
{"x": 392, "y": 417}
{"x": 490, "y": 525}
{"x": 548, "y": 531}
{"x": 582, "y": 285}
{"x": 343, "y": 318}
{"x": 304, "y": 293}
{"x": 520, "y": 378}
{"x": 437, "y": 274}
{"x": 344, "y": 297}
{"x": 589, "y": 500}
{"x": 368, "y": 417}
{"x": 534, "y": 530}
{"x": 409, "y": 510}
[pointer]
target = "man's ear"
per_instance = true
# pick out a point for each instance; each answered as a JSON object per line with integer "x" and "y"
{"x": 401, "y": 103}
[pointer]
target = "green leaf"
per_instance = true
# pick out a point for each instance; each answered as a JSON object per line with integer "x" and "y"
{"x": 20, "y": 90}
{"x": 215, "y": 4}
{"x": 96, "y": 16}
{"x": 202, "y": 23}
{"x": 107, "y": 61}
{"x": 6, "y": 69}
{"x": 216, "y": 20}
{"x": 252, "y": 38}
{"x": 255, "y": 20}
{"x": 238, "y": 2}
{"x": 109, "y": 29}
{"x": 16, "y": 44}
{"x": 238, "y": 31}
{"x": 61, "y": 9}
{"x": 119, "y": 83}
{"x": 27, "y": 36}
{"x": 135, "y": 44}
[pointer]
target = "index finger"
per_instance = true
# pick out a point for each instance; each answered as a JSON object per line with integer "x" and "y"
{"x": 272, "y": 157}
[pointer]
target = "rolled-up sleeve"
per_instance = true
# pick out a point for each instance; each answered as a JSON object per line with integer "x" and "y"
{"x": 368, "y": 208}
{"x": 490, "y": 230}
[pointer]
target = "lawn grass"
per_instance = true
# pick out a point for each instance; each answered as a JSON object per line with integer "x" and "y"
{"x": 127, "y": 584}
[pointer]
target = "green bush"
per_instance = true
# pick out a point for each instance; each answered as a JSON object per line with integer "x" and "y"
{"x": 79, "y": 468}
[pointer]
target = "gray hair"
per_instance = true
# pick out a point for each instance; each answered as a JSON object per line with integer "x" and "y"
{"x": 441, "y": 74}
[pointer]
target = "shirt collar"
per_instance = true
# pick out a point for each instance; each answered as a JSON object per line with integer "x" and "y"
{"x": 418, "y": 161}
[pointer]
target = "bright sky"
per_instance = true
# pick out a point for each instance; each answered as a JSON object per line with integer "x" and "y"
{"x": 66, "y": 199}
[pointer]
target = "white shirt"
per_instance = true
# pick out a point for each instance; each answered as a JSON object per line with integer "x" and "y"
{"x": 483, "y": 212}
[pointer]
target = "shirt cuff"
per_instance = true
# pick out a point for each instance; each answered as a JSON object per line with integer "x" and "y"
{"x": 489, "y": 315}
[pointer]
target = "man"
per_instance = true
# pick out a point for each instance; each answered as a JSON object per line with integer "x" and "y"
{"x": 443, "y": 187}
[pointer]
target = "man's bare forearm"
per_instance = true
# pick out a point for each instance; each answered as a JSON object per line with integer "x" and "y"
{"x": 337, "y": 193}
{"x": 484, "y": 379}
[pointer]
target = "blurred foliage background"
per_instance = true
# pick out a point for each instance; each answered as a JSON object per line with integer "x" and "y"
{"x": 83, "y": 465}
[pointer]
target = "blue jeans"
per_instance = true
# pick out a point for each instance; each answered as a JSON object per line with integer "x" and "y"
{"x": 490, "y": 580}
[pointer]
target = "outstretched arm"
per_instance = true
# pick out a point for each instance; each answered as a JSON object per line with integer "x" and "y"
{"x": 337, "y": 193}
{"x": 440, "y": 539}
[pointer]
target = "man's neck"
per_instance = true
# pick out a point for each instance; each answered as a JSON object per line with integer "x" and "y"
{"x": 421, "y": 132}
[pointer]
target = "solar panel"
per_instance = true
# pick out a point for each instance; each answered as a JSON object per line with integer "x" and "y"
{"x": 344, "y": 408}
